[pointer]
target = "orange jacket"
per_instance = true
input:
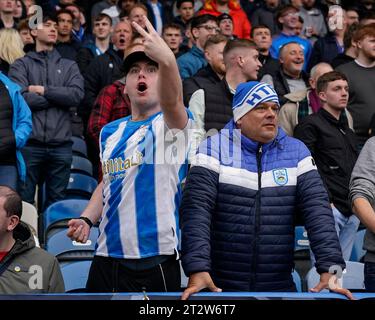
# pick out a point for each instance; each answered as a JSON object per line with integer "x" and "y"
{"x": 241, "y": 25}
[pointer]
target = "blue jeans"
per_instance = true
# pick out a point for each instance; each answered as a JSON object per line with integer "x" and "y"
{"x": 346, "y": 228}
{"x": 9, "y": 176}
{"x": 370, "y": 276}
{"x": 46, "y": 164}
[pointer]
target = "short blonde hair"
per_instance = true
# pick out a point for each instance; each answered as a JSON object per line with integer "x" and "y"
{"x": 11, "y": 47}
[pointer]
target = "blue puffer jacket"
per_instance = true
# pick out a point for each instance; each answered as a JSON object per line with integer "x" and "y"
{"x": 237, "y": 212}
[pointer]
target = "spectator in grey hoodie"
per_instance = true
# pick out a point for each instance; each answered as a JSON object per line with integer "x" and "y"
{"x": 51, "y": 86}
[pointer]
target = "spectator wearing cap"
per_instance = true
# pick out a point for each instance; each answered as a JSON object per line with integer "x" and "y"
{"x": 202, "y": 27}
{"x": 225, "y": 22}
{"x": 266, "y": 15}
{"x": 137, "y": 200}
{"x": 102, "y": 71}
{"x": 241, "y": 25}
{"x": 287, "y": 19}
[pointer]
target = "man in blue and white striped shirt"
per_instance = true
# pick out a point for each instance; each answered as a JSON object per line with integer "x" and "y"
{"x": 144, "y": 162}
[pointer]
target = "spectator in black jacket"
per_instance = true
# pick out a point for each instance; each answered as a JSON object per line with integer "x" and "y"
{"x": 66, "y": 45}
{"x": 51, "y": 86}
{"x": 334, "y": 147}
{"x": 261, "y": 35}
{"x": 102, "y": 32}
{"x": 172, "y": 35}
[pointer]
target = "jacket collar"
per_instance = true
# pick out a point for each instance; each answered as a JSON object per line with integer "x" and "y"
{"x": 342, "y": 122}
{"x": 197, "y": 52}
{"x": 53, "y": 55}
{"x": 24, "y": 241}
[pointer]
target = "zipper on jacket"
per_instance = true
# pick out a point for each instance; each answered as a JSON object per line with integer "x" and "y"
{"x": 46, "y": 110}
{"x": 257, "y": 217}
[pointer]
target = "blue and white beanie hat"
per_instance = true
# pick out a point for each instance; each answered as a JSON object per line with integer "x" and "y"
{"x": 249, "y": 94}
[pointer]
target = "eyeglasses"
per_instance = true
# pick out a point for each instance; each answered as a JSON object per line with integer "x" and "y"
{"x": 210, "y": 28}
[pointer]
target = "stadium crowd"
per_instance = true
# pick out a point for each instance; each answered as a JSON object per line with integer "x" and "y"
{"x": 214, "y": 125}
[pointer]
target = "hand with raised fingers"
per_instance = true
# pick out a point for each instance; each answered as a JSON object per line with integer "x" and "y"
{"x": 330, "y": 281}
{"x": 155, "y": 47}
{"x": 197, "y": 282}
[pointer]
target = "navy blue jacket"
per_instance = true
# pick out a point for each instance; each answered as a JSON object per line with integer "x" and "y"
{"x": 237, "y": 212}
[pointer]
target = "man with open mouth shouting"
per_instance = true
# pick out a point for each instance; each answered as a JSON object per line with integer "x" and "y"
{"x": 143, "y": 167}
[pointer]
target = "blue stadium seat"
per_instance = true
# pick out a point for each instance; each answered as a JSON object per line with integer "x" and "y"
{"x": 80, "y": 186}
{"x": 64, "y": 249}
{"x": 353, "y": 277}
{"x": 81, "y": 165}
{"x": 75, "y": 275}
{"x": 59, "y": 213}
{"x": 79, "y": 147}
{"x": 301, "y": 241}
{"x": 358, "y": 252}
{"x": 297, "y": 280}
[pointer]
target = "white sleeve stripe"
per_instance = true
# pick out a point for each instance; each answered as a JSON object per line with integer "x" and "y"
{"x": 305, "y": 165}
{"x": 203, "y": 160}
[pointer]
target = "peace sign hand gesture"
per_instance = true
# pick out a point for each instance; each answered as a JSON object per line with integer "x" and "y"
{"x": 155, "y": 47}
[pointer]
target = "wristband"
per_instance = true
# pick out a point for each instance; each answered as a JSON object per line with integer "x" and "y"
{"x": 87, "y": 220}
